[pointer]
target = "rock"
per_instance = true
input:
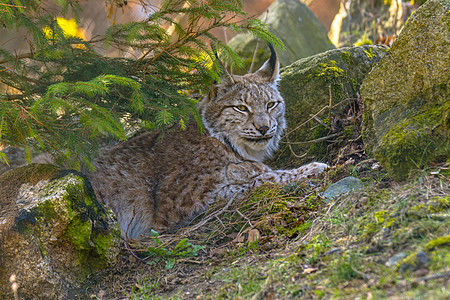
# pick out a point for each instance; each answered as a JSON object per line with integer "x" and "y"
{"x": 406, "y": 96}
{"x": 295, "y": 25}
{"x": 394, "y": 260}
{"x": 17, "y": 158}
{"x": 53, "y": 232}
{"x": 306, "y": 86}
{"x": 354, "y": 23}
{"x": 343, "y": 186}
{"x": 414, "y": 262}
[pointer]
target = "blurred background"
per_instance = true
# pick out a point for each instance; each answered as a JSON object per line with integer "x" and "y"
{"x": 347, "y": 22}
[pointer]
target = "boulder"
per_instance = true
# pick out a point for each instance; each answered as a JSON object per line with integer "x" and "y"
{"x": 53, "y": 233}
{"x": 316, "y": 131}
{"x": 406, "y": 96}
{"x": 16, "y": 157}
{"x": 295, "y": 25}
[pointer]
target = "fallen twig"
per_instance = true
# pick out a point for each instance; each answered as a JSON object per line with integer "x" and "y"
{"x": 312, "y": 141}
{"x": 431, "y": 277}
{"x": 204, "y": 221}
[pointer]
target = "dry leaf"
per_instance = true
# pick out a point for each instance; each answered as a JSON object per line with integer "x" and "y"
{"x": 309, "y": 270}
{"x": 253, "y": 236}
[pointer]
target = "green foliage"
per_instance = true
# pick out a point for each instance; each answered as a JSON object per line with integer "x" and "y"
{"x": 145, "y": 290}
{"x": 61, "y": 95}
{"x": 182, "y": 249}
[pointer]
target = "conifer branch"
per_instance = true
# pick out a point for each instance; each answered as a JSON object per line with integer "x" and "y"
{"x": 64, "y": 98}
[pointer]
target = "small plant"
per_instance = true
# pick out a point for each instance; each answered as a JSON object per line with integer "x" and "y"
{"x": 145, "y": 290}
{"x": 182, "y": 249}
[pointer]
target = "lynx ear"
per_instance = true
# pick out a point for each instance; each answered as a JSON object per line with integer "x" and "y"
{"x": 271, "y": 68}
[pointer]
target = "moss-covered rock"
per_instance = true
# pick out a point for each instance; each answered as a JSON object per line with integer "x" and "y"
{"x": 295, "y": 24}
{"x": 53, "y": 232}
{"x": 307, "y": 86}
{"x": 406, "y": 96}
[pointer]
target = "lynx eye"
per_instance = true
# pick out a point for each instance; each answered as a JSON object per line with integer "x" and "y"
{"x": 271, "y": 104}
{"x": 241, "y": 107}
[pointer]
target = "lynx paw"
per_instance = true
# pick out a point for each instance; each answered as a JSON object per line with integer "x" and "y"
{"x": 313, "y": 168}
{"x": 319, "y": 167}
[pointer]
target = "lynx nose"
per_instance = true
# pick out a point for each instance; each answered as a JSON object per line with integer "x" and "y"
{"x": 263, "y": 129}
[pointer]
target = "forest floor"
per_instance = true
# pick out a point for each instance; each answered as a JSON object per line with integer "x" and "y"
{"x": 385, "y": 240}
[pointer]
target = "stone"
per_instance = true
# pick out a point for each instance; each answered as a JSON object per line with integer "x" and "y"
{"x": 394, "y": 260}
{"x": 17, "y": 158}
{"x": 307, "y": 86}
{"x": 414, "y": 262}
{"x": 295, "y": 25}
{"x": 406, "y": 98}
{"x": 53, "y": 232}
{"x": 343, "y": 186}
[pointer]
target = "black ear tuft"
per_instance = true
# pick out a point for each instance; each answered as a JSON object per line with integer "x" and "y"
{"x": 224, "y": 68}
{"x": 270, "y": 69}
{"x": 273, "y": 57}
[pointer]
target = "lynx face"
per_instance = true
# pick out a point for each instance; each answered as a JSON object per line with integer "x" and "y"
{"x": 247, "y": 112}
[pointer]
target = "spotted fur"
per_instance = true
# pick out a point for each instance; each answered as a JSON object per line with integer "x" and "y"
{"x": 156, "y": 181}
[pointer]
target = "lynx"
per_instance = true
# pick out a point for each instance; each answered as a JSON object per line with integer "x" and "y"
{"x": 159, "y": 180}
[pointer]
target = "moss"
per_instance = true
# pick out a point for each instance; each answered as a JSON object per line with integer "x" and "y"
{"x": 105, "y": 241}
{"x": 319, "y": 150}
{"x": 78, "y": 233}
{"x": 80, "y": 198}
{"x": 92, "y": 243}
{"x": 370, "y": 53}
{"x": 347, "y": 57}
{"x": 439, "y": 242}
{"x": 41, "y": 247}
{"x": 363, "y": 41}
{"x": 413, "y": 261}
{"x": 328, "y": 70}
{"x": 414, "y": 97}
{"x": 380, "y": 216}
{"x": 45, "y": 211}
{"x": 413, "y": 142}
{"x": 337, "y": 173}
{"x": 434, "y": 205}
{"x": 348, "y": 131}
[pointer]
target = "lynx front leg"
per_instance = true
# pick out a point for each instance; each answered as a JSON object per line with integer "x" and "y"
{"x": 287, "y": 176}
{"x": 244, "y": 176}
